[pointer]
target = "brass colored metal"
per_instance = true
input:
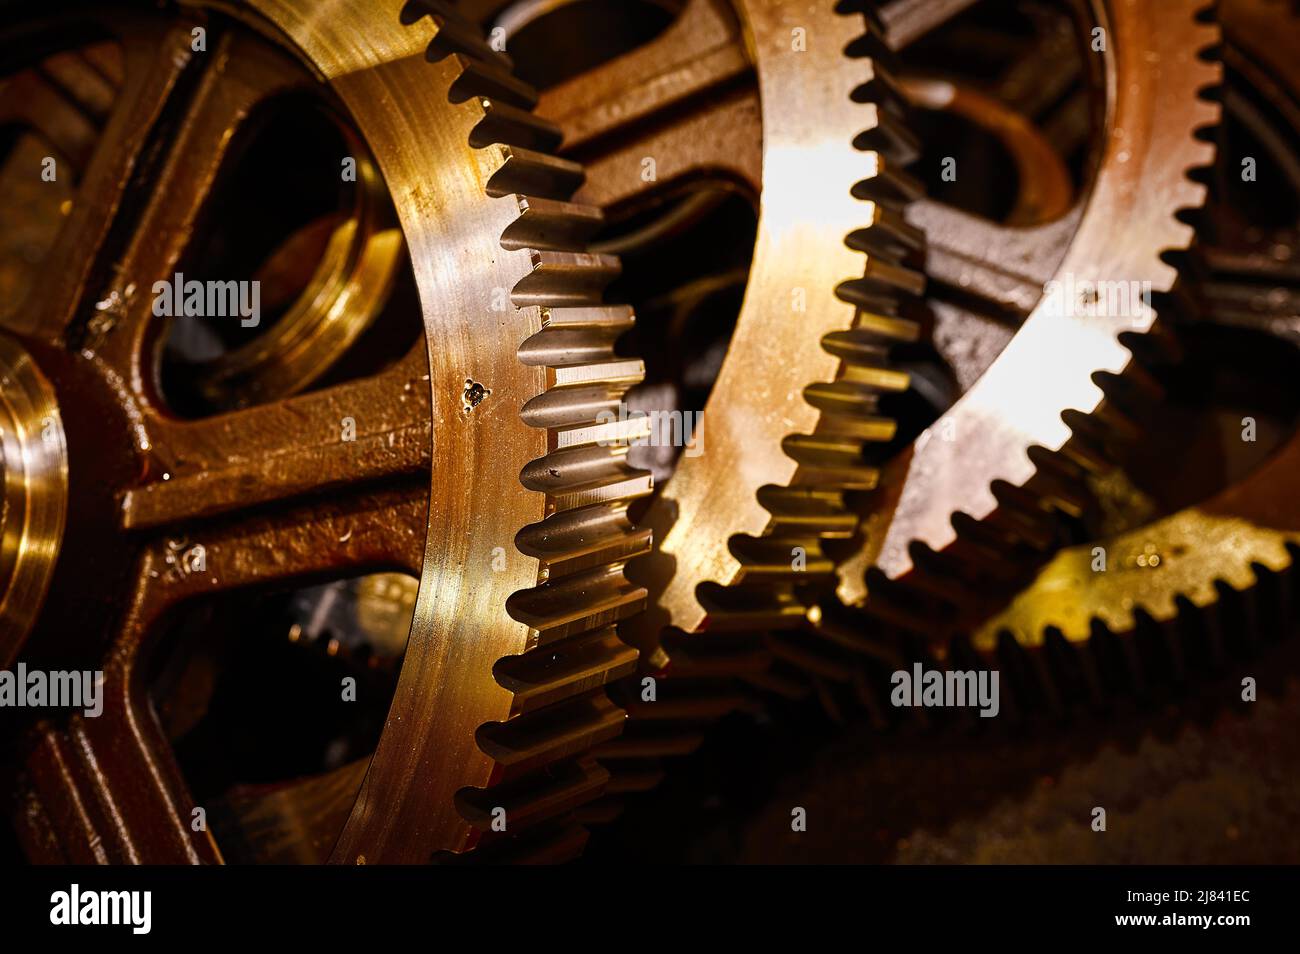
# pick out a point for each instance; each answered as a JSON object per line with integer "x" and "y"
{"x": 686, "y": 98}
{"x": 519, "y": 535}
{"x": 795, "y": 403}
{"x": 1187, "y": 556}
{"x": 343, "y": 297}
{"x": 487, "y": 492}
{"x": 33, "y": 507}
{"x": 1041, "y": 387}
{"x": 1201, "y": 569}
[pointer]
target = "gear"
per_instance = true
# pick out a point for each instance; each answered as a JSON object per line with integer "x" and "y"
{"x": 1203, "y": 580}
{"x": 741, "y": 529}
{"x": 520, "y": 546}
{"x": 1184, "y": 592}
{"x": 739, "y": 556}
{"x": 983, "y": 482}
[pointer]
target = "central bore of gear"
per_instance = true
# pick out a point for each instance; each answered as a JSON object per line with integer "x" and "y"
{"x": 34, "y": 478}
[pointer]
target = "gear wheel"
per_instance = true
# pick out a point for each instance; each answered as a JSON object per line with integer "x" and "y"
{"x": 741, "y": 528}
{"x": 1184, "y": 592}
{"x": 1198, "y": 583}
{"x": 960, "y": 507}
{"x": 501, "y": 692}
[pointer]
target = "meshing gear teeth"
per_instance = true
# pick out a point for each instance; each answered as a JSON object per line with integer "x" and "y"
{"x": 560, "y": 709}
{"x": 501, "y": 694}
{"x": 1176, "y": 598}
{"x": 744, "y": 530}
{"x": 974, "y": 501}
{"x": 809, "y": 511}
{"x": 507, "y": 788}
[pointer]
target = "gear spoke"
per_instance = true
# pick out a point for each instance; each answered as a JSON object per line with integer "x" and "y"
{"x": 685, "y": 100}
{"x": 324, "y": 441}
{"x": 107, "y": 789}
{"x": 155, "y": 58}
{"x": 244, "y": 73}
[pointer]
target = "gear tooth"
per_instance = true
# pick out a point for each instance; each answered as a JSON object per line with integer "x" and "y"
{"x": 620, "y": 374}
{"x": 588, "y": 468}
{"x": 886, "y": 135}
{"x": 826, "y": 452}
{"x": 575, "y": 666}
{"x": 565, "y": 280}
{"x": 632, "y": 431}
{"x": 527, "y": 172}
{"x": 604, "y": 319}
{"x": 764, "y": 591}
{"x": 558, "y": 408}
{"x": 509, "y": 125}
{"x": 453, "y": 34}
{"x": 887, "y": 234}
{"x": 546, "y": 224}
{"x": 991, "y": 538}
{"x": 851, "y": 429}
{"x": 885, "y": 181}
{"x": 561, "y": 712}
{"x": 850, "y": 397}
{"x": 534, "y": 739}
{"x": 634, "y": 485}
{"x": 490, "y": 80}
{"x": 883, "y": 273}
{"x": 576, "y": 603}
{"x": 769, "y": 559}
{"x": 797, "y": 510}
{"x": 444, "y": 10}
{"x": 735, "y": 652}
{"x": 576, "y": 336}
{"x": 811, "y": 657}
{"x": 878, "y": 289}
{"x": 1025, "y": 513}
{"x": 869, "y": 45}
{"x": 842, "y": 478}
{"x": 583, "y": 536}
{"x": 531, "y": 800}
{"x": 867, "y": 344}
{"x": 739, "y": 608}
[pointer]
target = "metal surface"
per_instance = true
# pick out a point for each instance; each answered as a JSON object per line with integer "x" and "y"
{"x": 1039, "y": 390}
{"x": 474, "y": 485}
{"x": 786, "y": 443}
{"x": 33, "y": 508}
{"x": 521, "y": 542}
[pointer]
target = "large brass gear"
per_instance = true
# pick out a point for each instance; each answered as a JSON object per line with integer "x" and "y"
{"x": 791, "y": 415}
{"x": 500, "y": 695}
{"x": 742, "y": 528}
{"x": 557, "y": 584}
